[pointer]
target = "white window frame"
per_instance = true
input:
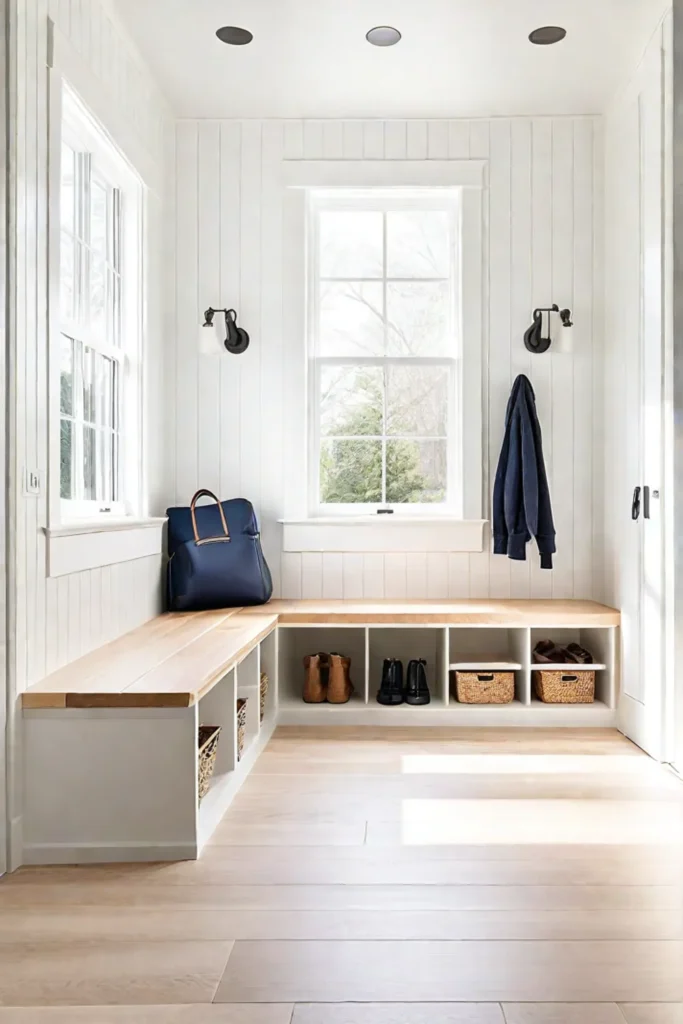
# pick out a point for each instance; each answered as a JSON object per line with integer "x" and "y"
{"x": 428, "y": 531}
{"x": 72, "y": 123}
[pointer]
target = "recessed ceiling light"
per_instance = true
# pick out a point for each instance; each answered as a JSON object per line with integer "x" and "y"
{"x": 383, "y": 35}
{"x": 547, "y": 35}
{"x": 234, "y": 36}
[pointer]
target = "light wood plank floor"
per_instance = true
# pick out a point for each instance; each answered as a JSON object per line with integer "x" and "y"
{"x": 381, "y": 877}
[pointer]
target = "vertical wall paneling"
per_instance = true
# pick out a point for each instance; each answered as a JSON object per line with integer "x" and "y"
{"x": 188, "y": 306}
{"x": 500, "y": 292}
{"x": 458, "y": 140}
{"x": 521, "y": 244}
{"x": 437, "y": 576}
{"x": 416, "y": 140}
{"x": 227, "y": 210}
{"x": 208, "y": 273}
{"x": 373, "y": 576}
{"x": 562, "y": 394}
{"x": 541, "y": 293}
{"x": 353, "y": 141}
{"x": 437, "y": 140}
{"x": 249, "y": 309}
{"x": 333, "y": 575}
{"x": 416, "y": 575}
{"x": 541, "y": 209}
{"x": 312, "y": 574}
{"x": 395, "y": 140}
{"x": 270, "y": 341}
{"x": 352, "y": 575}
{"x": 395, "y": 575}
{"x": 373, "y": 140}
{"x": 583, "y": 358}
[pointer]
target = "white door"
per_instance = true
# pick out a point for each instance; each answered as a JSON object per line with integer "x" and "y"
{"x": 3, "y": 447}
{"x": 638, "y": 207}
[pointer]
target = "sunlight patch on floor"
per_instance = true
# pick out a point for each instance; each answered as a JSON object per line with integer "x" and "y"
{"x": 527, "y": 764}
{"x": 462, "y": 822}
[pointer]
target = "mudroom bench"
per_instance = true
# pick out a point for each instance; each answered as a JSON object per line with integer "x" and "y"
{"x": 110, "y": 741}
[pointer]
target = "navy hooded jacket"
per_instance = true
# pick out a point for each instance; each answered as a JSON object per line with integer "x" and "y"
{"x": 521, "y": 499}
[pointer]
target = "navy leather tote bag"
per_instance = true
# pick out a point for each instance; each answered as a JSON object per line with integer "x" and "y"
{"x": 215, "y": 556}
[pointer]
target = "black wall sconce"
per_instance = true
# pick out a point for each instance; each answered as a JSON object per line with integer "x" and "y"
{"x": 533, "y": 337}
{"x": 236, "y": 338}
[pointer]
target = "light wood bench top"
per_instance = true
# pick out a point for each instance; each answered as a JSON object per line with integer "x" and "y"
{"x": 169, "y": 662}
{"x": 486, "y": 612}
{"x": 176, "y": 658}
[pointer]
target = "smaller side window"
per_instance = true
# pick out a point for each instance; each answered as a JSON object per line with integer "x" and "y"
{"x": 99, "y": 362}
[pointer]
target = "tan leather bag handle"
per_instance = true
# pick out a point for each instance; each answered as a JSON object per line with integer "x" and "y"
{"x": 203, "y": 493}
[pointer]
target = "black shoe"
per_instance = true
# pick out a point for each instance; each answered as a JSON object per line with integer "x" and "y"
{"x": 417, "y": 691}
{"x": 391, "y": 688}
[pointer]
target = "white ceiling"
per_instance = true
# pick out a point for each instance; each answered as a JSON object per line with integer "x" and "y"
{"x": 309, "y": 58}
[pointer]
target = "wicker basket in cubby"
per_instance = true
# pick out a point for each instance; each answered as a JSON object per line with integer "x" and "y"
{"x": 485, "y": 687}
{"x": 565, "y": 686}
{"x": 207, "y": 743}
{"x": 263, "y": 694}
{"x": 241, "y": 725}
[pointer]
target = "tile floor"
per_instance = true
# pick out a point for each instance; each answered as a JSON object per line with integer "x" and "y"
{"x": 381, "y": 877}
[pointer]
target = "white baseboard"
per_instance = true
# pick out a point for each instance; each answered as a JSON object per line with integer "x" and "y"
{"x": 642, "y": 725}
{"x": 16, "y": 843}
{"x": 355, "y": 713}
{"x": 95, "y": 853}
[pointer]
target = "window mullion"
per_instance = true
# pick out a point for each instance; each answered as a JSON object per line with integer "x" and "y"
{"x": 79, "y": 420}
{"x": 384, "y": 367}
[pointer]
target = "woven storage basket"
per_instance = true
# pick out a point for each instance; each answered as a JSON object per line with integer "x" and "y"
{"x": 263, "y": 694}
{"x": 485, "y": 687}
{"x": 207, "y": 742}
{"x": 241, "y": 725}
{"x": 567, "y": 686}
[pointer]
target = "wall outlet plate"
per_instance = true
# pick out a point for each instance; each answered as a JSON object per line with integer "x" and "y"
{"x": 32, "y": 482}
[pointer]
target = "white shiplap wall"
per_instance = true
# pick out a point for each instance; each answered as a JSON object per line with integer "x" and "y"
{"x": 54, "y": 621}
{"x": 543, "y": 211}
{"x": 57, "y": 620}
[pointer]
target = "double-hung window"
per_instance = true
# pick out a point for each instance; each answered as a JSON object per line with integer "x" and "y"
{"x": 97, "y": 325}
{"x": 384, "y": 342}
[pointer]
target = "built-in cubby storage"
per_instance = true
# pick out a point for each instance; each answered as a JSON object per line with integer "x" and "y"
{"x": 248, "y": 677}
{"x": 446, "y": 649}
{"x": 138, "y": 799}
{"x": 407, "y": 643}
{"x": 269, "y": 659}
{"x": 471, "y": 649}
{"x": 600, "y": 643}
{"x": 219, "y": 707}
{"x": 298, "y": 641}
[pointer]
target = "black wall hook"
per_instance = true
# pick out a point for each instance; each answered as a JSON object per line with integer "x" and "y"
{"x": 236, "y": 339}
{"x": 533, "y": 336}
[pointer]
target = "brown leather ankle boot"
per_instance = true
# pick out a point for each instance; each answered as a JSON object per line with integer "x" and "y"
{"x": 317, "y": 668}
{"x": 341, "y": 687}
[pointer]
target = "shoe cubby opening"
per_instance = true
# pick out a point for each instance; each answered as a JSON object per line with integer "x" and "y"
{"x": 219, "y": 707}
{"x": 269, "y": 665}
{"x": 598, "y": 641}
{"x": 489, "y": 650}
{"x": 407, "y": 643}
{"x": 296, "y": 642}
{"x": 248, "y": 675}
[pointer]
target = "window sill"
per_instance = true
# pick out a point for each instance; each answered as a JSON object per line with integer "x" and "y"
{"x": 88, "y": 544}
{"x": 383, "y": 534}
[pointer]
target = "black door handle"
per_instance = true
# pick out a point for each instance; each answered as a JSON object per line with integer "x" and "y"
{"x": 635, "y": 505}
